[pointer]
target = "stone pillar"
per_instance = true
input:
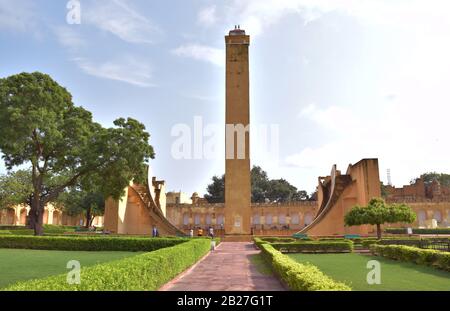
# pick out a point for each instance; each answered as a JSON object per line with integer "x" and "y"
{"x": 237, "y": 163}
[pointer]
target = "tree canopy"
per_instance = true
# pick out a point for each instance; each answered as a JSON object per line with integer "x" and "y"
{"x": 377, "y": 212}
{"x": 263, "y": 189}
{"x": 15, "y": 188}
{"x": 42, "y": 127}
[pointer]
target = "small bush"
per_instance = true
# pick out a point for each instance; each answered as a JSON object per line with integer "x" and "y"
{"x": 139, "y": 273}
{"x": 297, "y": 276}
{"x": 419, "y": 256}
{"x": 87, "y": 243}
{"x": 315, "y": 247}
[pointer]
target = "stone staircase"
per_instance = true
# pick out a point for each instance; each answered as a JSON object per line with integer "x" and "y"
{"x": 164, "y": 226}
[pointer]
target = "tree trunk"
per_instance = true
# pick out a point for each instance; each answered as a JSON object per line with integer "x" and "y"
{"x": 379, "y": 231}
{"x": 88, "y": 218}
{"x": 36, "y": 216}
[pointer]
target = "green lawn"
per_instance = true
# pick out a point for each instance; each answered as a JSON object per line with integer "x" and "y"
{"x": 351, "y": 269}
{"x": 19, "y": 265}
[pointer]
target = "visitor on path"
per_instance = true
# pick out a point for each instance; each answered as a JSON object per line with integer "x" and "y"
{"x": 211, "y": 232}
{"x": 191, "y": 233}
{"x": 155, "y": 232}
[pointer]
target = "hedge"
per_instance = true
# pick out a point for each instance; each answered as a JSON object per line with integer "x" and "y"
{"x": 139, "y": 273}
{"x": 418, "y": 231}
{"x": 315, "y": 247}
{"x": 87, "y": 243}
{"x": 277, "y": 239}
{"x": 299, "y": 277}
{"x": 438, "y": 259}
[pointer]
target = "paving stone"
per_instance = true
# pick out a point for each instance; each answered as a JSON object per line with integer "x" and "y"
{"x": 228, "y": 268}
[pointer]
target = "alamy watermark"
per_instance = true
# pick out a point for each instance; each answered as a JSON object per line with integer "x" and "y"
{"x": 74, "y": 275}
{"x": 374, "y": 275}
{"x": 73, "y": 16}
{"x": 204, "y": 141}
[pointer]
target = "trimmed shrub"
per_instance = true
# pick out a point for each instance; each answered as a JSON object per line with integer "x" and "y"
{"x": 276, "y": 239}
{"x": 418, "y": 231}
{"x": 438, "y": 259}
{"x": 139, "y": 273}
{"x": 87, "y": 243}
{"x": 315, "y": 247}
{"x": 299, "y": 277}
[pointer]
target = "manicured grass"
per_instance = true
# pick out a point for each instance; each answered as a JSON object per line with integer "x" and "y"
{"x": 20, "y": 265}
{"x": 351, "y": 269}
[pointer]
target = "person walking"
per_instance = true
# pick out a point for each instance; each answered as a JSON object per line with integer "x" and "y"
{"x": 155, "y": 232}
{"x": 191, "y": 233}
{"x": 211, "y": 232}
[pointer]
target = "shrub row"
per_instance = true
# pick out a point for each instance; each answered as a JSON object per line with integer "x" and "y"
{"x": 277, "y": 239}
{"x": 418, "y": 231}
{"x": 139, "y": 273}
{"x": 419, "y": 256}
{"x": 315, "y": 247}
{"x": 415, "y": 242}
{"x": 87, "y": 243}
{"x": 299, "y": 277}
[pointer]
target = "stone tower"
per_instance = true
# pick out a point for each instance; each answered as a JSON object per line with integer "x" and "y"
{"x": 237, "y": 148}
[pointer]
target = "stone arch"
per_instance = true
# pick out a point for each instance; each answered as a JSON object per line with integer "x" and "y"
{"x": 186, "y": 219}
{"x": 23, "y": 216}
{"x": 437, "y": 215}
{"x": 282, "y": 218}
{"x": 308, "y": 218}
{"x": 295, "y": 219}
{"x": 421, "y": 218}
{"x": 269, "y": 219}
{"x": 208, "y": 219}
{"x": 197, "y": 219}
{"x": 10, "y": 216}
{"x": 256, "y": 219}
{"x": 56, "y": 217}
{"x": 220, "y": 219}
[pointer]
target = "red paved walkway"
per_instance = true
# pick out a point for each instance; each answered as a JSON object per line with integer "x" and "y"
{"x": 228, "y": 268}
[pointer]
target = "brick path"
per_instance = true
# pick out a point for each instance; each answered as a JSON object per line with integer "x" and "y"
{"x": 228, "y": 268}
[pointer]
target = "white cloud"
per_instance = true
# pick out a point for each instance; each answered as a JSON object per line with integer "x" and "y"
{"x": 257, "y": 15}
{"x": 120, "y": 19}
{"x": 17, "y": 15}
{"x": 201, "y": 52}
{"x": 70, "y": 38}
{"x": 128, "y": 70}
{"x": 207, "y": 16}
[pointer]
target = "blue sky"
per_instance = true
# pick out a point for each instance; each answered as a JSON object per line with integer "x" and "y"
{"x": 343, "y": 80}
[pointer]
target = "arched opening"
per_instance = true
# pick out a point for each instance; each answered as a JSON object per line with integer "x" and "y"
{"x": 308, "y": 219}
{"x": 208, "y": 219}
{"x": 220, "y": 219}
{"x": 56, "y": 218}
{"x": 295, "y": 219}
{"x": 10, "y": 216}
{"x": 437, "y": 215}
{"x": 282, "y": 219}
{"x": 421, "y": 217}
{"x": 23, "y": 216}
{"x": 256, "y": 219}
{"x": 268, "y": 219}
{"x": 186, "y": 219}
{"x": 197, "y": 219}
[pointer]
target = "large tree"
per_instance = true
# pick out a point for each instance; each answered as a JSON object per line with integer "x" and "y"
{"x": 15, "y": 188}
{"x": 76, "y": 201}
{"x": 42, "y": 127}
{"x": 263, "y": 189}
{"x": 377, "y": 212}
